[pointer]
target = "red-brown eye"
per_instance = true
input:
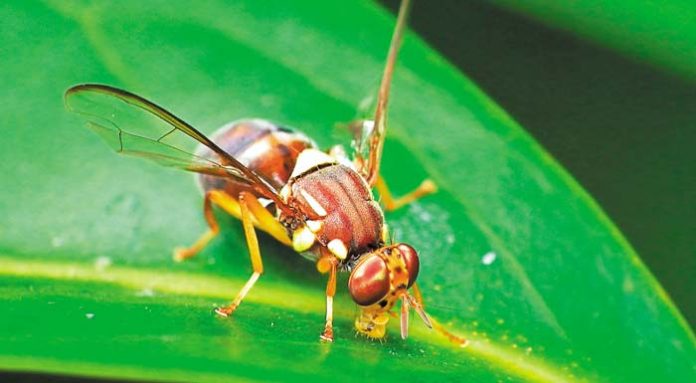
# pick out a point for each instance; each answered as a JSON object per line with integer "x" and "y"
{"x": 411, "y": 259}
{"x": 369, "y": 281}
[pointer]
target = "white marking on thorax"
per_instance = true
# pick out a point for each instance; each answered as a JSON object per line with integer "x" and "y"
{"x": 310, "y": 158}
{"x": 338, "y": 248}
{"x": 302, "y": 239}
{"x": 313, "y": 203}
{"x": 314, "y": 226}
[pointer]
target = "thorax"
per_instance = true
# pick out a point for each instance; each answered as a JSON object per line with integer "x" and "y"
{"x": 337, "y": 205}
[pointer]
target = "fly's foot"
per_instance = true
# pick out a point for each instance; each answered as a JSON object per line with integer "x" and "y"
{"x": 426, "y": 187}
{"x": 181, "y": 254}
{"x": 184, "y": 253}
{"x": 225, "y": 311}
{"x": 327, "y": 335}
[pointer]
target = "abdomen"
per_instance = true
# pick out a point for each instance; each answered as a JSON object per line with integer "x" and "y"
{"x": 268, "y": 149}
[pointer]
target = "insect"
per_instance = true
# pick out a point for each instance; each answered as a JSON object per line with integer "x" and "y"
{"x": 276, "y": 180}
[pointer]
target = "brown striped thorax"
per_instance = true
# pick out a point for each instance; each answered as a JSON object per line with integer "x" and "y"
{"x": 334, "y": 208}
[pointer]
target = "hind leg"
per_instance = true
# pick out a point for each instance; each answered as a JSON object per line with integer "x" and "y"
{"x": 247, "y": 202}
{"x": 261, "y": 217}
{"x": 420, "y": 307}
{"x": 181, "y": 254}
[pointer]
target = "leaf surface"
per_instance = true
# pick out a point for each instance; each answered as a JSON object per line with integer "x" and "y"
{"x": 515, "y": 255}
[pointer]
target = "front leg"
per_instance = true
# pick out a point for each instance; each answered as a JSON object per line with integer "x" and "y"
{"x": 328, "y": 264}
{"x": 419, "y": 306}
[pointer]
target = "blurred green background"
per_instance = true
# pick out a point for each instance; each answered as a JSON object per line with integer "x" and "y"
{"x": 624, "y": 126}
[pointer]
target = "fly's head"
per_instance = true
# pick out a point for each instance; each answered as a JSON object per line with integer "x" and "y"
{"x": 377, "y": 281}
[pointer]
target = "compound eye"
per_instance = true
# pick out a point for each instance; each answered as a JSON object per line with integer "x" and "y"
{"x": 369, "y": 281}
{"x": 411, "y": 259}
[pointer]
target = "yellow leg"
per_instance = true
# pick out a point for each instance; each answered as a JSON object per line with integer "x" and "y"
{"x": 265, "y": 221}
{"x": 261, "y": 217}
{"x": 390, "y": 203}
{"x": 459, "y": 341}
{"x": 245, "y": 199}
{"x": 327, "y": 334}
{"x": 181, "y": 254}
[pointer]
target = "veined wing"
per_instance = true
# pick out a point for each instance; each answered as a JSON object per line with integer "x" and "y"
{"x": 134, "y": 126}
{"x": 373, "y": 133}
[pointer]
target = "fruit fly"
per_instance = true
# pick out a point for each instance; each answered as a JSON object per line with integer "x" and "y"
{"x": 318, "y": 202}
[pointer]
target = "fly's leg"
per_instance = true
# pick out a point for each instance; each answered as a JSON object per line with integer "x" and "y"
{"x": 328, "y": 264}
{"x": 245, "y": 200}
{"x": 459, "y": 341}
{"x": 251, "y": 213}
{"x": 228, "y": 204}
{"x": 262, "y": 219}
{"x": 391, "y": 203}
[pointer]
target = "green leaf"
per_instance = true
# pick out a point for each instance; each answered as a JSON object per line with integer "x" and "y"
{"x": 515, "y": 255}
{"x": 662, "y": 33}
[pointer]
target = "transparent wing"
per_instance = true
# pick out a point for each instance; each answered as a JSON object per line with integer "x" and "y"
{"x": 360, "y": 130}
{"x": 134, "y": 126}
{"x": 372, "y": 135}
